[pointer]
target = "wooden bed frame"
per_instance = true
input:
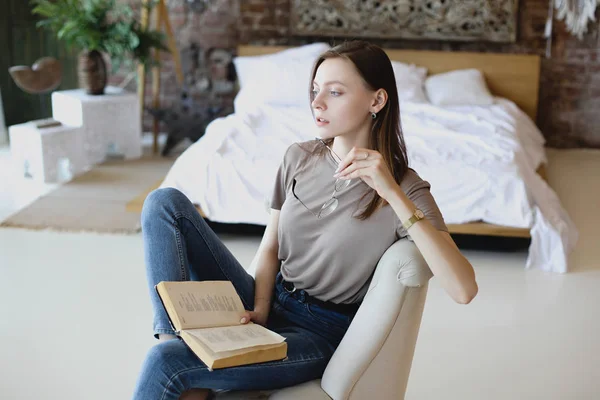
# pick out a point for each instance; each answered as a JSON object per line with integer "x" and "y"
{"x": 513, "y": 76}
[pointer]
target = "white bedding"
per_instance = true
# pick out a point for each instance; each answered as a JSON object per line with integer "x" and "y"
{"x": 480, "y": 161}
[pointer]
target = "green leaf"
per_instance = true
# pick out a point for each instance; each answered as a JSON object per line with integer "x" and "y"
{"x": 67, "y": 29}
{"x": 104, "y": 25}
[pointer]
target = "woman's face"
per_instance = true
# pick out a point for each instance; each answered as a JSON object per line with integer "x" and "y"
{"x": 342, "y": 102}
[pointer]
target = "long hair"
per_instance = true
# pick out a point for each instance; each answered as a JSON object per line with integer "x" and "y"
{"x": 375, "y": 68}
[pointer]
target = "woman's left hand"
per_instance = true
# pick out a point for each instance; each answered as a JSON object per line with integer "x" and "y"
{"x": 369, "y": 166}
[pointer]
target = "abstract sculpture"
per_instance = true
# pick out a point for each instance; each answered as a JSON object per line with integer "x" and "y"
{"x": 42, "y": 77}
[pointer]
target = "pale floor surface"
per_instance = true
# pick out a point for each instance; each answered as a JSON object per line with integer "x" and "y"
{"x": 75, "y": 320}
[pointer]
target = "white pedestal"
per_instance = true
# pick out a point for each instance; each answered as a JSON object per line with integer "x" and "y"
{"x": 110, "y": 122}
{"x": 48, "y": 154}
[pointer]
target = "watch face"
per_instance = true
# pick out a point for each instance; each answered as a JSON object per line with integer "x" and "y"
{"x": 419, "y": 214}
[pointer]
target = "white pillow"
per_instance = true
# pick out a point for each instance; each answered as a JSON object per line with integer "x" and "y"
{"x": 456, "y": 88}
{"x": 281, "y": 78}
{"x": 409, "y": 81}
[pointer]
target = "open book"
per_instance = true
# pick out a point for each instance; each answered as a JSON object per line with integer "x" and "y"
{"x": 206, "y": 315}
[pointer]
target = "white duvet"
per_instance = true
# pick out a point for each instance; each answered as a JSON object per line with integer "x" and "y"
{"x": 480, "y": 161}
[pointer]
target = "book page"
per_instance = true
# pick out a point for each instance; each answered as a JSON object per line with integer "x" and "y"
{"x": 202, "y": 304}
{"x": 236, "y": 337}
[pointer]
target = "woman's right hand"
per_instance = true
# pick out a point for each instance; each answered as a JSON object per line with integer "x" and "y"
{"x": 257, "y": 316}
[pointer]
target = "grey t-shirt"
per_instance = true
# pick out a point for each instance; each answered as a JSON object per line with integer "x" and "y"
{"x": 333, "y": 257}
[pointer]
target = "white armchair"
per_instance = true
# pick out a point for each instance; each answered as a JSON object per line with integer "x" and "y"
{"x": 374, "y": 358}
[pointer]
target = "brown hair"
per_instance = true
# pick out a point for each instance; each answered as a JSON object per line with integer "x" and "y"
{"x": 375, "y": 68}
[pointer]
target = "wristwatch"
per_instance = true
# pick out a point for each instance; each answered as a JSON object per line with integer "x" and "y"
{"x": 417, "y": 216}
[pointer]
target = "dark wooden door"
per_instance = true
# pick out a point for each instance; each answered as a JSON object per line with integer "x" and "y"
{"x": 22, "y": 43}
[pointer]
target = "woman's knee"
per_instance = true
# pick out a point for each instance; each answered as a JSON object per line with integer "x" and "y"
{"x": 163, "y": 199}
{"x": 168, "y": 364}
{"x": 158, "y": 355}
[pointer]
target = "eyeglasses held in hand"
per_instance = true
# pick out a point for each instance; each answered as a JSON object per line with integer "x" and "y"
{"x": 330, "y": 205}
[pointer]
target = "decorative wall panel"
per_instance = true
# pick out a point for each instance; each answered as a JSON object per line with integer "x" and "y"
{"x": 465, "y": 20}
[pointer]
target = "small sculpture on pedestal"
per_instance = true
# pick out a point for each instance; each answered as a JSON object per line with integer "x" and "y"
{"x": 42, "y": 77}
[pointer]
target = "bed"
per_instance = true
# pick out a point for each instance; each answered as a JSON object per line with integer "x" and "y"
{"x": 249, "y": 156}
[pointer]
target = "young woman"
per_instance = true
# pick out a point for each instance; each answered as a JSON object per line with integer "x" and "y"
{"x": 339, "y": 202}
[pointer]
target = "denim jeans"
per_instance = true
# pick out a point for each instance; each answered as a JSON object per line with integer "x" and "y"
{"x": 179, "y": 245}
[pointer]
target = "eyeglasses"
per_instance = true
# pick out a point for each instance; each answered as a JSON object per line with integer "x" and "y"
{"x": 330, "y": 205}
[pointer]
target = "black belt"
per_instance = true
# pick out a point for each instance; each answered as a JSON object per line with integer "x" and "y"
{"x": 342, "y": 308}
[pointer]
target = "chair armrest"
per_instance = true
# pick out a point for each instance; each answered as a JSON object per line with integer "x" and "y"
{"x": 375, "y": 355}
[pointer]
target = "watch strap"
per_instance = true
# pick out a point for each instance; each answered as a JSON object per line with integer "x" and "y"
{"x": 417, "y": 216}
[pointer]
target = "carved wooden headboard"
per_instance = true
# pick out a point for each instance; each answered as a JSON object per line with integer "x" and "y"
{"x": 513, "y": 76}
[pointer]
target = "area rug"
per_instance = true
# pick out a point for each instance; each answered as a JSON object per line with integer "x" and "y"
{"x": 95, "y": 201}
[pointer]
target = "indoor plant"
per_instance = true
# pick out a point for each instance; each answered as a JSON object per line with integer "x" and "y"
{"x": 95, "y": 27}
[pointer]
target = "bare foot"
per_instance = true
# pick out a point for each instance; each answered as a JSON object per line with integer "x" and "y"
{"x": 195, "y": 394}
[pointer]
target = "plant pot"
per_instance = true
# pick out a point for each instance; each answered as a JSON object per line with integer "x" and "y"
{"x": 92, "y": 72}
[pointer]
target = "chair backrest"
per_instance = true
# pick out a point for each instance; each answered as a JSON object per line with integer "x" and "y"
{"x": 375, "y": 356}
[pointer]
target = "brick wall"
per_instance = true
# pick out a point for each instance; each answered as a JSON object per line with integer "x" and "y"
{"x": 569, "y": 109}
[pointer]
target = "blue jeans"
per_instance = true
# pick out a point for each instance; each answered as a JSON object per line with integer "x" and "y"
{"x": 179, "y": 245}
